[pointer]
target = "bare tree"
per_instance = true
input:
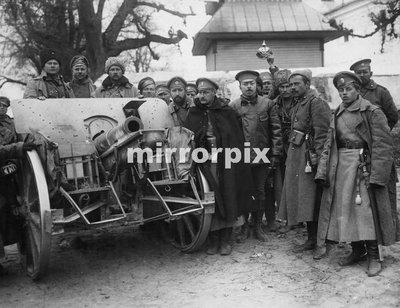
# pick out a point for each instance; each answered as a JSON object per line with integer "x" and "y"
{"x": 76, "y": 26}
{"x": 385, "y": 22}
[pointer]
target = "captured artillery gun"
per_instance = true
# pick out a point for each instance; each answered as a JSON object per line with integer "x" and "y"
{"x": 87, "y": 181}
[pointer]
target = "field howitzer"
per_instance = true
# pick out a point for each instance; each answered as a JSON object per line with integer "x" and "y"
{"x": 101, "y": 188}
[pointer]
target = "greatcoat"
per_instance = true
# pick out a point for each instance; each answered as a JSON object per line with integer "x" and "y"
{"x": 372, "y": 127}
{"x": 300, "y": 195}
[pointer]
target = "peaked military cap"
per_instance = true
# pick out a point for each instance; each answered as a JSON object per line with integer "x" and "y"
{"x": 177, "y": 81}
{"x": 344, "y": 78}
{"x": 205, "y": 83}
{"x": 265, "y": 76}
{"x": 361, "y": 64}
{"x": 247, "y": 74}
{"x": 191, "y": 87}
{"x": 5, "y": 100}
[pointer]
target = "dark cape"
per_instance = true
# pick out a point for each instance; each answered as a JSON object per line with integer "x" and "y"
{"x": 233, "y": 188}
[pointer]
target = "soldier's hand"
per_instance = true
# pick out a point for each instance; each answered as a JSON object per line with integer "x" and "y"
{"x": 42, "y": 98}
{"x": 271, "y": 60}
{"x": 28, "y": 146}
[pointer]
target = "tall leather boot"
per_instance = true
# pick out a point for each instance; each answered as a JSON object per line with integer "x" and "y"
{"x": 213, "y": 242}
{"x": 311, "y": 243}
{"x": 374, "y": 263}
{"x": 226, "y": 240}
{"x": 358, "y": 253}
{"x": 270, "y": 215}
{"x": 258, "y": 231}
{"x": 244, "y": 231}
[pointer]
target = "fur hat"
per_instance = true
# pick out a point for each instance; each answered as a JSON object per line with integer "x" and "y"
{"x": 115, "y": 61}
{"x": 49, "y": 54}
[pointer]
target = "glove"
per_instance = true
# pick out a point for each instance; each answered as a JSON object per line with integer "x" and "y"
{"x": 28, "y": 146}
{"x": 275, "y": 161}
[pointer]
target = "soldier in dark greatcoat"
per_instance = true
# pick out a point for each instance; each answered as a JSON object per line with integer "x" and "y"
{"x": 309, "y": 125}
{"x": 354, "y": 169}
{"x": 216, "y": 125}
{"x": 380, "y": 96}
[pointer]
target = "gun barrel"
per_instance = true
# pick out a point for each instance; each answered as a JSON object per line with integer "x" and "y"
{"x": 105, "y": 140}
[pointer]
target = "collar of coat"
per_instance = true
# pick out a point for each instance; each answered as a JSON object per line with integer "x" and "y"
{"x": 43, "y": 75}
{"x": 173, "y": 107}
{"x": 244, "y": 100}
{"x": 360, "y": 104}
{"x": 371, "y": 85}
{"x": 306, "y": 97}
{"x": 124, "y": 82}
{"x": 81, "y": 81}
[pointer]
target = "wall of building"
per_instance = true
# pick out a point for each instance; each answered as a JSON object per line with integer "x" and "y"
{"x": 241, "y": 54}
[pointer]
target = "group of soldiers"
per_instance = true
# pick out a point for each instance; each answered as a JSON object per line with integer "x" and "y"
{"x": 332, "y": 170}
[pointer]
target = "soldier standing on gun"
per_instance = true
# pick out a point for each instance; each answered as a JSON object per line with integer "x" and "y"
{"x": 354, "y": 169}
{"x": 309, "y": 125}
{"x": 380, "y": 96}
{"x": 261, "y": 128}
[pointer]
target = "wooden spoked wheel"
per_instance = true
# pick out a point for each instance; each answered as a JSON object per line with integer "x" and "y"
{"x": 189, "y": 232}
{"x": 33, "y": 196}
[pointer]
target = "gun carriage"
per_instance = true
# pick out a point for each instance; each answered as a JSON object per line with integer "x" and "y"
{"x": 81, "y": 178}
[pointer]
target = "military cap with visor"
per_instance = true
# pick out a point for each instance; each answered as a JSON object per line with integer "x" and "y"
{"x": 177, "y": 82}
{"x": 247, "y": 75}
{"x": 206, "y": 84}
{"x": 191, "y": 87}
{"x": 343, "y": 79}
{"x": 145, "y": 82}
{"x": 4, "y": 100}
{"x": 361, "y": 64}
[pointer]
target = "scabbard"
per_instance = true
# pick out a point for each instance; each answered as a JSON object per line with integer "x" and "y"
{"x": 375, "y": 215}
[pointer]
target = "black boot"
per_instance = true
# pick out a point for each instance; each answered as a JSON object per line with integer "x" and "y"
{"x": 270, "y": 215}
{"x": 213, "y": 242}
{"x": 311, "y": 243}
{"x": 258, "y": 231}
{"x": 244, "y": 233}
{"x": 226, "y": 241}
{"x": 358, "y": 253}
{"x": 374, "y": 262}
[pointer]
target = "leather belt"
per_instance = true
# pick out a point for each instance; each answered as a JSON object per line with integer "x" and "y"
{"x": 348, "y": 144}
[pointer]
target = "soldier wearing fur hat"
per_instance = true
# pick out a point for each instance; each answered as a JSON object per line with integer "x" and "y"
{"x": 309, "y": 126}
{"x": 354, "y": 170}
{"x": 179, "y": 107}
{"x": 262, "y": 129}
{"x": 147, "y": 87}
{"x": 81, "y": 84}
{"x": 49, "y": 84}
{"x": 380, "y": 96}
{"x": 283, "y": 103}
{"x": 216, "y": 125}
{"x": 116, "y": 84}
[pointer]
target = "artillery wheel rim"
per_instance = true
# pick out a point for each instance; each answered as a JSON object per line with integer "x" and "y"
{"x": 33, "y": 196}
{"x": 190, "y": 232}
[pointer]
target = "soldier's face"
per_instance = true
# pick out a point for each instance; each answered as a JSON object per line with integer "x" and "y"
{"x": 348, "y": 94}
{"x": 267, "y": 86}
{"x": 79, "y": 71}
{"x": 164, "y": 95}
{"x": 248, "y": 87}
{"x": 52, "y": 67}
{"x": 149, "y": 91}
{"x": 178, "y": 95}
{"x": 206, "y": 96}
{"x": 115, "y": 73}
{"x": 298, "y": 86}
{"x": 191, "y": 94}
{"x": 285, "y": 90}
{"x": 365, "y": 75}
{"x": 3, "y": 108}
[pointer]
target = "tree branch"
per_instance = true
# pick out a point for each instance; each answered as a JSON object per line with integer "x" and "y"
{"x": 100, "y": 8}
{"x": 127, "y": 44}
{"x": 161, "y": 7}
{"x": 5, "y": 79}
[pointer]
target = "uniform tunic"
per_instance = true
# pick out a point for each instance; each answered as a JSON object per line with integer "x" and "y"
{"x": 350, "y": 221}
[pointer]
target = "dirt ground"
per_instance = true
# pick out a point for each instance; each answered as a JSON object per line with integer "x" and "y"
{"x": 127, "y": 268}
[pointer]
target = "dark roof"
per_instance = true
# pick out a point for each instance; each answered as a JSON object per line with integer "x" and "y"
{"x": 263, "y": 18}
